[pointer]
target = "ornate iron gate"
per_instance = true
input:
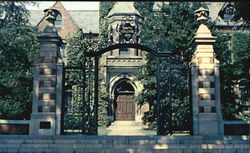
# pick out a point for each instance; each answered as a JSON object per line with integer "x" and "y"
{"x": 172, "y": 85}
{"x": 81, "y": 91}
{"x": 80, "y": 105}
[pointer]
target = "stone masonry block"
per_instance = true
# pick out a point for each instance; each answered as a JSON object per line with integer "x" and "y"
{"x": 229, "y": 146}
{"x": 47, "y": 71}
{"x": 47, "y": 83}
{"x": 47, "y": 90}
{"x": 206, "y": 90}
{"x": 46, "y": 96}
{"x": 240, "y": 142}
{"x": 47, "y": 77}
{"x": 11, "y": 141}
{"x": 34, "y": 145}
{"x": 120, "y": 142}
{"x": 48, "y": 65}
{"x": 243, "y": 146}
{"x": 14, "y": 145}
{"x": 142, "y": 141}
{"x": 37, "y": 141}
{"x": 46, "y": 102}
{"x": 189, "y": 146}
{"x": 66, "y": 141}
{"x": 240, "y": 150}
{"x": 63, "y": 146}
{"x": 215, "y": 146}
{"x": 206, "y": 78}
{"x": 12, "y": 150}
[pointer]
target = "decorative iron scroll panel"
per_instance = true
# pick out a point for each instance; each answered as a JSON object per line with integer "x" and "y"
{"x": 172, "y": 92}
{"x": 79, "y": 106}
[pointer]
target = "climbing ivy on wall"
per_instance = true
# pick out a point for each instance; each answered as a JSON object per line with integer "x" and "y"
{"x": 104, "y": 99}
{"x": 75, "y": 48}
{"x": 104, "y": 8}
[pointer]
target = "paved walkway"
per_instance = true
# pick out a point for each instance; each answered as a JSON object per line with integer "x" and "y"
{"x": 128, "y": 128}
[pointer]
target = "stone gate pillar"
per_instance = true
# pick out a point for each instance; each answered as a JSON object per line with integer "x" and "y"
{"x": 206, "y": 103}
{"x": 47, "y": 82}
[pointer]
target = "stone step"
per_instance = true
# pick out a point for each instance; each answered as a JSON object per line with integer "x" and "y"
{"x": 124, "y": 144}
{"x": 119, "y": 141}
{"x": 125, "y": 128}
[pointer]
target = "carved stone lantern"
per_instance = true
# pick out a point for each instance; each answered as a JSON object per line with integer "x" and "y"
{"x": 50, "y": 15}
{"x": 202, "y": 15}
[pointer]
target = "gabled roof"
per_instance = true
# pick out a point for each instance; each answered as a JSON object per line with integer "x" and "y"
{"x": 35, "y": 17}
{"x": 87, "y": 20}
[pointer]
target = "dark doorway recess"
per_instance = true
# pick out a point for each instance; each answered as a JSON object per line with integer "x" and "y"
{"x": 124, "y": 102}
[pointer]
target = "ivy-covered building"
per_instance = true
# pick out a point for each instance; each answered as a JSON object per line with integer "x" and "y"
{"x": 119, "y": 66}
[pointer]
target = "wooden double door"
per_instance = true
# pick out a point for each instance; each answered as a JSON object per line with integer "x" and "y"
{"x": 125, "y": 109}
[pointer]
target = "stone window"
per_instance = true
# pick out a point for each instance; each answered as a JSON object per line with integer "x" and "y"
{"x": 228, "y": 13}
{"x": 58, "y": 22}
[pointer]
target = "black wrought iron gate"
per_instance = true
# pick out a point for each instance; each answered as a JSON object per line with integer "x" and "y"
{"x": 172, "y": 86}
{"x": 80, "y": 114}
{"x": 80, "y": 98}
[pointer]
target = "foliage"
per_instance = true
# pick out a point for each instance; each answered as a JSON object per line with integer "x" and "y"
{"x": 242, "y": 9}
{"x": 13, "y": 13}
{"x": 232, "y": 50}
{"x": 18, "y": 45}
{"x": 103, "y": 41}
{"x": 104, "y": 100}
{"x": 105, "y": 7}
{"x": 75, "y": 49}
{"x": 171, "y": 29}
{"x": 144, "y": 8}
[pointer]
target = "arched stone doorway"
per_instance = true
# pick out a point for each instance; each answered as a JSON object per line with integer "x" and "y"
{"x": 135, "y": 86}
{"x": 124, "y": 103}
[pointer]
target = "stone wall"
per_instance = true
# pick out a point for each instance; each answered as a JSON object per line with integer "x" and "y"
{"x": 14, "y": 127}
{"x": 236, "y": 128}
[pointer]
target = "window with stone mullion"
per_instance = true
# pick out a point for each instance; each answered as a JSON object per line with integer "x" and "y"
{"x": 58, "y": 22}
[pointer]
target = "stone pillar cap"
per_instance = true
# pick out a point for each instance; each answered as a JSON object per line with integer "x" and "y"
{"x": 203, "y": 32}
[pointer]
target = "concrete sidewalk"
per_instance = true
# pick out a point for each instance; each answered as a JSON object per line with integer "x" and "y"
{"x": 128, "y": 128}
